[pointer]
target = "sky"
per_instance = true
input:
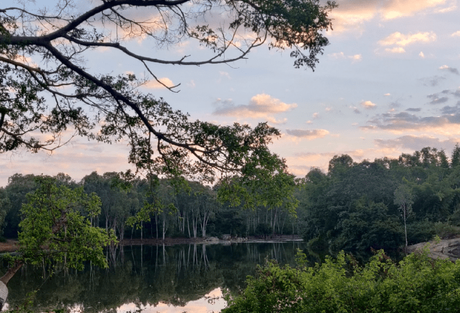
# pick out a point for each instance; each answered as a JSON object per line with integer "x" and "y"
{"x": 388, "y": 83}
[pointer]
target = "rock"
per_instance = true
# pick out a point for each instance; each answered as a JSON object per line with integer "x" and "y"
{"x": 212, "y": 239}
{"x": 3, "y": 294}
{"x": 445, "y": 249}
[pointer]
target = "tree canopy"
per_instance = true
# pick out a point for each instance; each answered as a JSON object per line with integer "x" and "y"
{"x": 46, "y": 87}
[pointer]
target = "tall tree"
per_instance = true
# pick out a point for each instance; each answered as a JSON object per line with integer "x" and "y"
{"x": 404, "y": 200}
{"x": 110, "y": 107}
{"x": 54, "y": 232}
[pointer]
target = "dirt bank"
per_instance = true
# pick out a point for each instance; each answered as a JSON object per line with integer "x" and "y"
{"x": 9, "y": 246}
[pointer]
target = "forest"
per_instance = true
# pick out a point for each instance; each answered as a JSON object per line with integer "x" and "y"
{"x": 384, "y": 204}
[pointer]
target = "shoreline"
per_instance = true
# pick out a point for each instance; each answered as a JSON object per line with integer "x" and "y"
{"x": 208, "y": 240}
{"x": 12, "y": 245}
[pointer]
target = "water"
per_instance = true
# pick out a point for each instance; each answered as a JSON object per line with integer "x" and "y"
{"x": 181, "y": 278}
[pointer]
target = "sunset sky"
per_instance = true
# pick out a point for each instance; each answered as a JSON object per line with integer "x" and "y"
{"x": 388, "y": 83}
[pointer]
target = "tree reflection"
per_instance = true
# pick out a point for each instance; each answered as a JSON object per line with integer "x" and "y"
{"x": 147, "y": 275}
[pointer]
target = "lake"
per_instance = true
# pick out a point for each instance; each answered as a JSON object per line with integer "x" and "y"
{"x": 179, "y": 278}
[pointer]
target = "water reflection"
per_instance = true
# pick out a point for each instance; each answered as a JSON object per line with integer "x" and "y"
{"x": 182, "y": 278}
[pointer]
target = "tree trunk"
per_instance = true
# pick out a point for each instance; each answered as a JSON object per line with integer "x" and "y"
{"x": 11, "y": 271}
{"x": 204, "y": 224}
{"x": 195, "y": 226}
{"x": 164, "y": 227}
{"x": 156, "y": 223}
{"x": 188, "y": 227}
{"x": 405, "y": 227}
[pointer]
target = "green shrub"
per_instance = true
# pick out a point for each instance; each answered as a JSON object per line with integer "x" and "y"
{"x": 420, "y": 231}
{"x": 445, "y": 230}
{"x": 416, "y": 284}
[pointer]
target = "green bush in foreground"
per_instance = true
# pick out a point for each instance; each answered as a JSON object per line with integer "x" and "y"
{"x": 416, "y": 284}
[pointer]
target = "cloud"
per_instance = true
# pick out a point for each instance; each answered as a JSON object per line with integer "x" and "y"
{"x": 416, "y": 142}
{"x": 337, "y": 55}
{"x": 341, "y": 55}
{"x": 77, "y": 158}
{"x": 450, "y": 69}
{"x": 153, "y": 84}
{"x": 307, "y": 134}
{"x": 352, "y": 14}
{"x": 395, "y": 50}
{"x": 441, "y": 97}
{"x": 446, "y": 124}
{"x": 368, "y": 104}
{"x": 456, "y": 34}
{"x": 432, "y": 81}
{"x": 451, "y": 109}
{"x": 421, "y": 54}
{"x": 260, "y": 106}
{"x": 402, "y": 40}
{"x": 413, "y": 109}
{"x": 437, "y": 100}
{"x": 356, "y": 57}
{"x": 400, "y": 8}
{"x": 224, "y": 74}
{"x": 387, "y": 94}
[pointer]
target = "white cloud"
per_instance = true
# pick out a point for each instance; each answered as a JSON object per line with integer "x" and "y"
{"x": 260, "y": 106}
{"x": 395, "y": 50}
{"x": 225, "y": 74}
{"x": 387, "y": 94}
{"x": 402, "y": 40}
{"x": 421, "y": 54}
{"x": 353, "y": 14}
{"x": 456, "y": 34}
{"x": 356, "y": 57}
{"x": 341, "y": 55}
{"x": 153, "y": 84}
{"x": 337, "y": 55}
{"x": 400, "y": 8}
{"x": 368, "y": 104}
{"x": 453, "y": 70}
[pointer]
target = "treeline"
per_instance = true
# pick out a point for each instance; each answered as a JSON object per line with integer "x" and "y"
{"x": 354, "y": 206}
{"x": 156, "y": 208}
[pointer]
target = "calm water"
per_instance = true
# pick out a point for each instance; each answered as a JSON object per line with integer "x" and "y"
{"x": 181, "y": 278}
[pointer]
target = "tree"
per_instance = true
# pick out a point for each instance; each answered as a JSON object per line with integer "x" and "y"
{"x": 54, "y": 232}
{"x": 416, "y": 284}
{"x": 18, "y": 186}
{"x": 404, "y": 200}
{"x": 5, "y": 206}
{"x": 61, "y": 93}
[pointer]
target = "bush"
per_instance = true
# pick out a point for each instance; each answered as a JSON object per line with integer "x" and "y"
{"x": 416, "y": 284}
{"x": 420, "y": 231}
{"x": 445, "y": 230}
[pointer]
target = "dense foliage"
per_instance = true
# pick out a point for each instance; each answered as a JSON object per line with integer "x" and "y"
{"x": 136, "y": 209}
{"x": 57, "y": 228}
{"x": 353, "y": 207}
{"x": 48, "y": 91}
{"x": 416, "y": 284}
{"x": 356, "y": 206}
